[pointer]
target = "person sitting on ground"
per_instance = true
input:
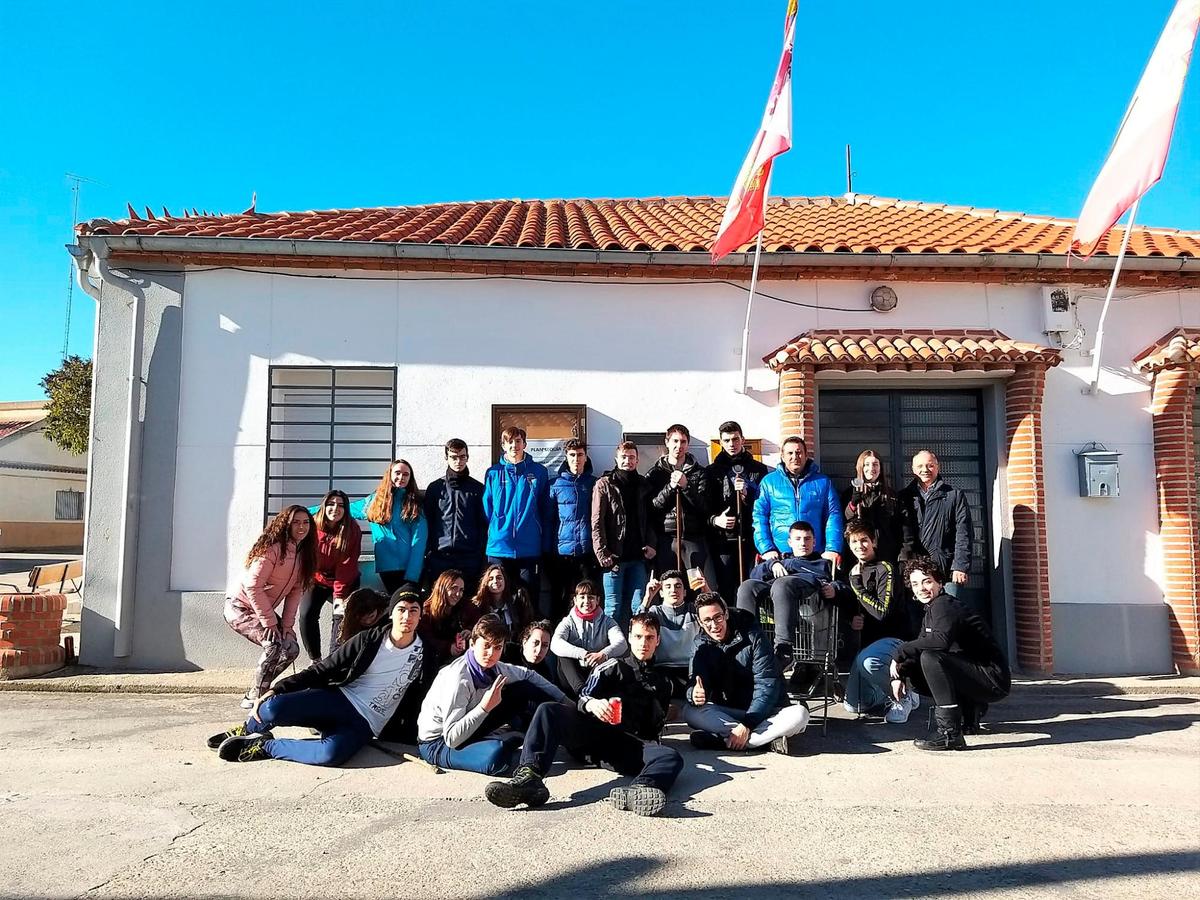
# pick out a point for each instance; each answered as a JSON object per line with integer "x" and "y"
{"x": 679, "y": 628}
{"x": 362, "y": 609}
{"x": 533, "y": 651}
{"x": 955, "y": 659}
{"x": 584, "y": 638}
{"x": 884, "y": 618}
{"x": 442, "y": 627}
{"x": 617, "y": 722}
{"x": 501, "y": 596}
{"x": 370, "y": 687}
{"x": 799, "y": 586}
{"x": 476, "y": 711}
{"x": 736, "y": 698}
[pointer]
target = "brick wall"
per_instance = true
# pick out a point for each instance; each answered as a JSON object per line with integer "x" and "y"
{"x": 30, "y": 628}
{"x": 798, "y": 404}
{"x": 1178, "y": 513}
{"x": 1027, "y": 519}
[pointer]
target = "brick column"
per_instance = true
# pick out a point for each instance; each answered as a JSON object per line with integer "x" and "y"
{"x": 30, "y": 625}
{"x": 1175, "y": 481}
{"x": 798, "y": 404}
{"x": 1027, "y": 511}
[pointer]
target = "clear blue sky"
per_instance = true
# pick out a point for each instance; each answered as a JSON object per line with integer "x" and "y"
{"x": 339, "y": 105}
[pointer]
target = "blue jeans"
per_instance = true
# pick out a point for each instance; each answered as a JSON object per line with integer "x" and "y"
{"x": 487, "y": 756}
{"x": 623, "y": 591}
{"x": 343, "y": 731}
{"x": 869, "y": 686}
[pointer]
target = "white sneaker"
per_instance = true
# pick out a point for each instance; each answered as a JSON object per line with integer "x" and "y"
{"x": 897, "y": 712}
{"x": 247, "y": 703}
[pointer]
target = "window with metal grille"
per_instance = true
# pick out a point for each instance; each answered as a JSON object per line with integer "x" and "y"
{"x": 328, "y": 427}
{"x": 68, "y": 506}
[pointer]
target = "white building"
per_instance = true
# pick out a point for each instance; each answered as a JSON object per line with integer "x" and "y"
{"x": 41, "y": 485}
{"x": 276, "y": 354}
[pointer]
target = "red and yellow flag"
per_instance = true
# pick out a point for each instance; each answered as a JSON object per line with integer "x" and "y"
{"x": 745, "y": 212}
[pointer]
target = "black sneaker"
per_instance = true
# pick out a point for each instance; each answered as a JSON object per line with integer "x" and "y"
{"x": 784, "y": 655}
{"x": 243, "y": 748}
{"x": 238, "y": 730}
{"x": 782, "y": 745}
{"x": 640, "y": 799}
{"x": 706, "y": 740}
{"x": 526, "y": 786}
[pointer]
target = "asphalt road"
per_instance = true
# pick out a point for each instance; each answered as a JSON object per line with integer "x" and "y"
{"x": 116, "y": 796}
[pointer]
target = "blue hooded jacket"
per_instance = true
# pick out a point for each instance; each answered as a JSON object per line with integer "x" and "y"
{"x": 399, "y": 545}
{"x": 813, "y": 500}
{"x": 516, "y": 501}
{"x": 571, "y": 510}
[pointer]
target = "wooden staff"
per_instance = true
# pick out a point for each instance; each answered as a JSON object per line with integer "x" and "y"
{"x": 737, "y": 518}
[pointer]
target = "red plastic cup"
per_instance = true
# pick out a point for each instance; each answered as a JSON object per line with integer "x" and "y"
{"x": 615, "y": 703}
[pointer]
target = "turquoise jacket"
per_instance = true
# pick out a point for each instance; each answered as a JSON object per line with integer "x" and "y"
{"x": 400, "y": 544}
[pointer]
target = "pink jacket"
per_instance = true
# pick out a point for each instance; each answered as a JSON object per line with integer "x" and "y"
{"x": 267, "y": 581}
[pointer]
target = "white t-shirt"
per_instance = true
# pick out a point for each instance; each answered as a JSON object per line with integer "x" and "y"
{"x": 378, "y": 691}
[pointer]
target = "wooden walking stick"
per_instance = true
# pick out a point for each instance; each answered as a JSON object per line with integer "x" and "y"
{"x": 737, "y": 519}
{"x": 678, "y": 530}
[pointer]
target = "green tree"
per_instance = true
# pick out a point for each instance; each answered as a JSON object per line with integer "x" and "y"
{"x": 68, "y": 416}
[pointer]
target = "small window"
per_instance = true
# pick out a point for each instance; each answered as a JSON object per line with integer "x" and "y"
{"x": 547, "y": 430}
{"x": 327, "y": 428}
{"x": 68, "y": 506}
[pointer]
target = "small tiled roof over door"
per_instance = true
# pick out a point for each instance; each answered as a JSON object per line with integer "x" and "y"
{"x": 1175, "y": 350}
{"x": 909, "y": 350}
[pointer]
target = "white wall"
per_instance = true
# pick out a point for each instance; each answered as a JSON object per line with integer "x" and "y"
{"x": 640, "y": 357}
{"x": 32, "y": 446}
{"x": 27, "y": 496}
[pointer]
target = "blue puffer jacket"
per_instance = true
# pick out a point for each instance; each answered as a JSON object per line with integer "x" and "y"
{"x": 813, "y": 500}
{"x": 571, "y": 510}
{"x": 516, "y": 501}
{"x": 399, "y": 545}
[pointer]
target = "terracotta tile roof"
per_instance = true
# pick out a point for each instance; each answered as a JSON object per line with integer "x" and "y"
{"x": 1177, "y": 349}
{"x": 910, "y": 350}
{"x": 12, "y": 427}
{"x": 853, "y": 224}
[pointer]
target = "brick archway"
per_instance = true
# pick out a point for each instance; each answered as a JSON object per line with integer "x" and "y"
{"x": 952, "y": 350}
{"x": 1174, "y": 364}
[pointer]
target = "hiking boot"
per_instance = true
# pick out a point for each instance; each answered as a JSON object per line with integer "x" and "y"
{"x": 706, "y": 740}
{"x": 783, "y": 745}
{"x": 243, "y": 748}
{"x": 949, "y": 732}
{"x": 526, "y": 786}
{"x": 972, "y": 718}
{"x": 639, "y": 799}
{"x": 238, "y": 730}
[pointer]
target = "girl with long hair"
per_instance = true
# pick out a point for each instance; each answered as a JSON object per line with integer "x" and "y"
{"x": 364, "y": 608}
{"x": 441, "y": 625}
{"x": 339, "y": 544}
{"x": 871, "y": 500}
{"x": 279, "y": 569}
{"x": 498, "y": 596}
{"x": 398, "y": 526}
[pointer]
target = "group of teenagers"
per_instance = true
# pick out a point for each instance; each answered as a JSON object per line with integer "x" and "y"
{"x": 463, "y": 657}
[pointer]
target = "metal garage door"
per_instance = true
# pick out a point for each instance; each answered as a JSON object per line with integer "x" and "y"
{"x": 896, "y": 424}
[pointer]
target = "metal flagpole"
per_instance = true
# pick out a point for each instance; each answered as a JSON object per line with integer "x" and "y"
{"x": 749, "y": 308}
{"x": 1112, "y": 285}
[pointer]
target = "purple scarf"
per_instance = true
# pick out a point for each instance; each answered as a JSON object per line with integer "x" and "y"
{"x": 480, "y": 677}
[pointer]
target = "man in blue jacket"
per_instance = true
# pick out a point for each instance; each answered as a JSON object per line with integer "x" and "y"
{"x": 571, "y": 525}
{"x": 797, "y": 492}
{"x": 516, "y": 501}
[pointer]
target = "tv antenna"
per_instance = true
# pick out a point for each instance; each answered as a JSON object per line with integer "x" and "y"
{"x": 75, "y": 180}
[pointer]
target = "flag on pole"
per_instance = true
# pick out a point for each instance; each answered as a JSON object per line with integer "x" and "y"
{"x": 745, "y": 212}
{"x": 1136, "y": 160}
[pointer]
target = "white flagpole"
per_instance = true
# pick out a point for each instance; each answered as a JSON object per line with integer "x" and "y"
{"x": 750, "y": 307}
{"x": 1095, "y": 378}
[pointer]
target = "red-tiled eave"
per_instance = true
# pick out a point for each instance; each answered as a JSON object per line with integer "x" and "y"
{"x": 855, "y": 224}
{"x": 1177, "y": 349}
{"x": 911, "y": 349}
{"x": 12, "y": 427}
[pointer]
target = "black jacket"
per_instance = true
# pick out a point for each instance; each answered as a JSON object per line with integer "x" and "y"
{"x": 645, "y": 694}
{"x": 547, "y": 668}
{"x": 937, "y": 524}
{"x": 951, "y": 626}
{"x": 874, "y": 592}
{"x": 876, "y": 506}
{"x": 350, "y": 661}
{"x": 740, "y": 672}
{"x": 695, "y": 499}
{"x": 454, "y": 511}
{"x": 720, "y": 475}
